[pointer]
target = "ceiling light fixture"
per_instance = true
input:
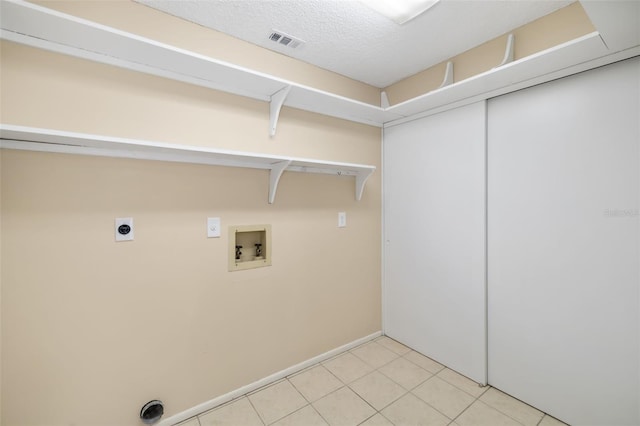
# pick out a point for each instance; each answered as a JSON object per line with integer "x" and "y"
{"x": 400, "y": 11}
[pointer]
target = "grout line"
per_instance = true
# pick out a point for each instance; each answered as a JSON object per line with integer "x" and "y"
{"x": 408, "y": 390}
{"x": 401, "y": 396}
{"x": 450, "y": 419}
{"x": 264, "y": 422}
{"x": 515, "y": 399}
{"x": 298, "y": 390}
{"x": 376, "y": 414}
{"x": 333, "y": 357}
{"x": 319, "y": 413}
{"x": 291, "y": 413}
{"x": 415, "y": 363}
{"x": 236, "y": 399}
{"x": 462, "y": 412}
{"x": 454, "y": 385}
{"x": 364, "y": 400}
{"x": 341, "y": 387}
{"x": 387, "y": 419}
{"x": 304, "y": 370}
{"x": 345, "y": 382}
{"x": 504, "y": 414}
{"x": 396, "y": 356}
{"x": 367, "y": 419}
{"x": 336, "y": 377}
{"x": 431, "y": 406}
{"x": 389, "y": 348}
{"x": 493, "y": 408}
{"x": 265, "y": 387}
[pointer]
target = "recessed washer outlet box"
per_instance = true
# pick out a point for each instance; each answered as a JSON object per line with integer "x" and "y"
{"x": 249, "y": 247}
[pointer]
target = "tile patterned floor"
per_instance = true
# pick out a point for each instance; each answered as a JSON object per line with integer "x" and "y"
{"x": 380, "y": 383}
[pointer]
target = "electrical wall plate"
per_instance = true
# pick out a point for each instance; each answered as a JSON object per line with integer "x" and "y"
{"x": 124, "y": 229}
{"x": 342, "y": 219}
{"x": 213, "y": 227}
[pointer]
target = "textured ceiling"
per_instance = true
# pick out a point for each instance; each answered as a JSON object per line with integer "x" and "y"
{"x": 348, "y": 38}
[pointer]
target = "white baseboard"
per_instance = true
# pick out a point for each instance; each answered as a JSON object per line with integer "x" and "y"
{"x": 208, "y": 405}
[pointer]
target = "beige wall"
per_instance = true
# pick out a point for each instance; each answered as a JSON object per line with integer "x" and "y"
{"x": 551, "y": 30}
{"x": 88, "y": 323}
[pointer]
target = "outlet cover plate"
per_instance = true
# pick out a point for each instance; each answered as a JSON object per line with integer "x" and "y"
{"x": 124, "y": 229}
{"x": 213, "y": 227}
{"x": 342, "y": 219}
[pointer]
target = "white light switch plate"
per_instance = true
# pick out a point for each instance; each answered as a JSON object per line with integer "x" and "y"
{"x": 124, "y": 229}
{"x": 342, "y": 219}
{"x": 213, "y": 227}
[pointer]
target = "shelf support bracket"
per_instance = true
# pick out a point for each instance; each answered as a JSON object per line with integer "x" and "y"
{"x": 448, "y": 76}
{"x": 508, "y": 52}
{"x": 277, "y": 100}
{"x": 275, "y": 172}
{"x": 384, "y": 100}
{"x": 361, "y": 179}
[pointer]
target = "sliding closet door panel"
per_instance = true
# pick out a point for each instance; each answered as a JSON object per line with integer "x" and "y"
{"x": 563, "y": 300}
{"x": 434, "y": 298}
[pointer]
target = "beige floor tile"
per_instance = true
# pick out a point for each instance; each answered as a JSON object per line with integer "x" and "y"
{"x": 374, "y": 354}
{"x": 424, "y": 362}
{"x": 277, "y": 401}
{"x": 444, "y": 397}
{"x": 377, "y": 420}
{"x": 191, "y": 422}
{"x": 480, "y": 414}
{"x": 348, "y": 367}
{"x": 306, "y": 416}
{"x": 343, "y": 408}
{"x": 408, "y": 389}
{"x": 405, "y": 373}
{"x": 547, "y": 420}
{"x": 518, "y": 410}
{"x": 377, "y": 389}
{"x": 236, "y": 413}
{"x": 393, "y": 345}
{"x": 411, "y": 411}
{"x": 462, "y": 382}
{"x": 315, "y": 383}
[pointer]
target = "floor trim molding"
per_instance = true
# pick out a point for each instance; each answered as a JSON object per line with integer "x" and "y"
{"x": 213, "y": 403}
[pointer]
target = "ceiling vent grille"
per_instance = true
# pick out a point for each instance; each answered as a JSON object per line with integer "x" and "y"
{"x": 284, "y": 39}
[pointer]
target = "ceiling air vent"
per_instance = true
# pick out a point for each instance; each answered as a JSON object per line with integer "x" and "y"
{"x": 284, "y": 39}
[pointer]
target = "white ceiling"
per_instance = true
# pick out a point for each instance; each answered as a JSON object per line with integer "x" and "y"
{"x": 348, "y": 38}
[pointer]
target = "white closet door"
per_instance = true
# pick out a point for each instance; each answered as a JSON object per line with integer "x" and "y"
{"x": 434, "y": 291}
{"x": 563, "y": 299}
